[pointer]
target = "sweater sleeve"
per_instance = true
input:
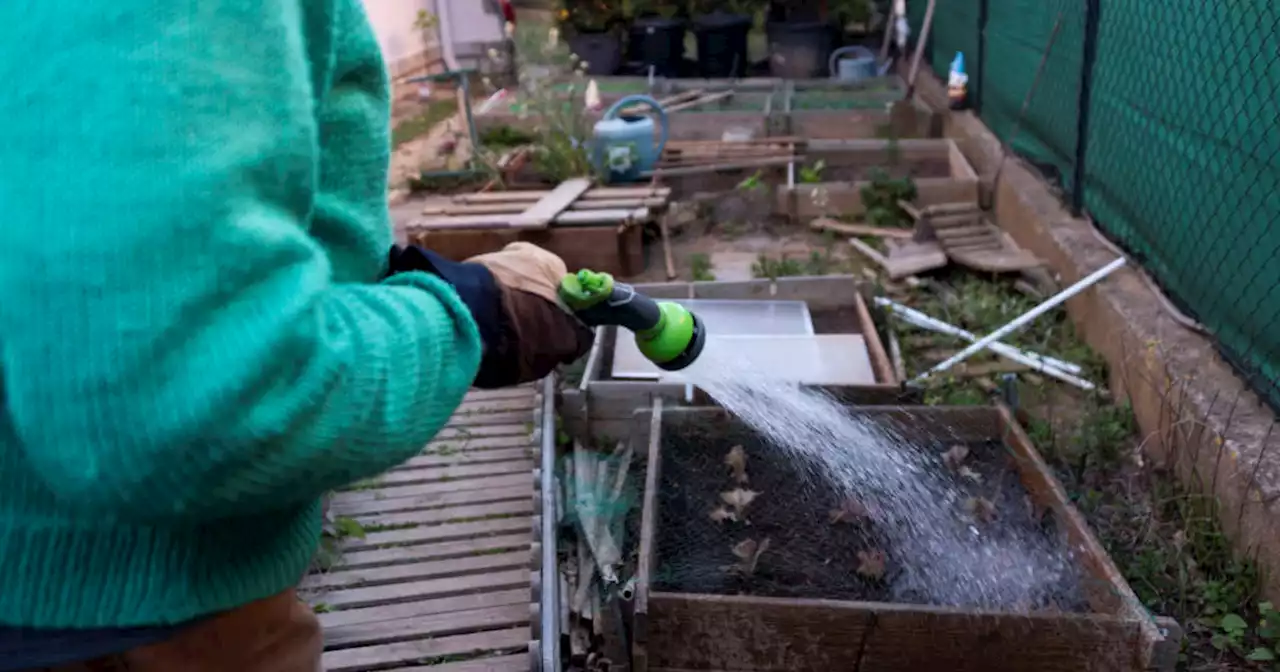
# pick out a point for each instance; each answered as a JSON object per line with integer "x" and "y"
{"x": 173, "y": 343}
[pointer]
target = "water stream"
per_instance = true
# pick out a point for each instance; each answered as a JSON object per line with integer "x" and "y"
{"x": 944, "y": 558}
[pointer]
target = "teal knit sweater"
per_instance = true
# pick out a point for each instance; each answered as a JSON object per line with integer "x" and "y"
{"x": 194, "y": 342}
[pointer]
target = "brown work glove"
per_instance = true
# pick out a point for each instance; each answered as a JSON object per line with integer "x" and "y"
{"x": 537, "y": 334}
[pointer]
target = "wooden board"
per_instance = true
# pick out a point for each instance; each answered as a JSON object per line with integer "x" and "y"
{"x": 342, "y": 577}
{"x": 503, "y": 418}
{"x": 601, "y": 248}
{"x": 390, "y": 655}
{"x": 427, "y": 627}
{"x": 438, "y": 550}
{"x": 514, "y": 507}
{"x": 416, "y": 490}
{"x": 410, "y": 476}
{"x": 747, "y": 633}
{"x": 456, "y": 457}
{"x": 352, "y": 598}
{"x": 433, "y": 533}
{"x": 550, "y": 206}
{"x": 458, "y": 433}
{"x": 434, "y": 500}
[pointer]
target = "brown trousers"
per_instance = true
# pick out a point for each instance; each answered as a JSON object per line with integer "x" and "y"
{"x": 276, "y": 634}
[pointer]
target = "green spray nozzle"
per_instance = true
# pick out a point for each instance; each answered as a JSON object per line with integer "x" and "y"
{"x": 666, "y": 332}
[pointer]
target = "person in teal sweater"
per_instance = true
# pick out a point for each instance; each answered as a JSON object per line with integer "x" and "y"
{"x": 201, "y": 328}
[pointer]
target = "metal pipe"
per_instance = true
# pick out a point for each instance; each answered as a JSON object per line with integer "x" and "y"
{"x": 549, "y": 608}
{"x": 1025, "y": 318}
{"x": 924, "y": 321}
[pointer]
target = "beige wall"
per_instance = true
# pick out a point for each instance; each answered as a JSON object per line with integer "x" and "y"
{"x": 393, "y": 22}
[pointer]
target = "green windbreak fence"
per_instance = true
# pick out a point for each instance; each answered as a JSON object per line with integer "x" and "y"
{"x": 1179, "y": 161}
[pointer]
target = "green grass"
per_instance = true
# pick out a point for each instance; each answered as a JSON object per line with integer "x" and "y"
{"x": 420, "y": 124}
{"x": 700, "y": 267}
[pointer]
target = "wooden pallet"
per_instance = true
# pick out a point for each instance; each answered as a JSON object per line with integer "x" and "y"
{"x": 444, "y": 578}
{"x": 573, "y": 203}
{"x": 969, "y": 239}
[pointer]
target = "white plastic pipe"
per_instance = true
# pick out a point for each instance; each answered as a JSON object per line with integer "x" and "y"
{"x": 1047, "y": 365}
{"x": 924, "y": 321}
{"x": 1026, "y": 318}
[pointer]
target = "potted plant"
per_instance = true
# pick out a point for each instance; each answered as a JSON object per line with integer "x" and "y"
{"x": 801, "y": 36}
{"x": 722, "y": 27}
{"x": 656, "y": 36}
{"x": 591, "y": 29}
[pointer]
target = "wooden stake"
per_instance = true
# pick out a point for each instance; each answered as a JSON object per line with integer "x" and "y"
{"x": 915, "y": 60}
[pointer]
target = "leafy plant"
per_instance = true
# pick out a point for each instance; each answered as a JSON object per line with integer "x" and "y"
{"x": 812, "y": 174}
{"x": 754, "y": 182}
{"x": 880, "y": 198}
{"x": 666, "y": 9}
{"x": 505, "y": 137}
{"x": 560, "y": 123}
{"x": 589, "y": 16}
{"x": 739, "y": 7}
{"x": 700, "y": 265}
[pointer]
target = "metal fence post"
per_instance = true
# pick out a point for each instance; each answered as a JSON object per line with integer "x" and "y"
{"x": 1090, "y": 54}
{"x": 981, "y": 79}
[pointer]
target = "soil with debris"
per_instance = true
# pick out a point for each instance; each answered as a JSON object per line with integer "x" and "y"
{"x": 819, "y": 545}
{"x": 835, "y": 172}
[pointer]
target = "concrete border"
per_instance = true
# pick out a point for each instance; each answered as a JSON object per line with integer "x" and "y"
{"x": 1197, "y": 417}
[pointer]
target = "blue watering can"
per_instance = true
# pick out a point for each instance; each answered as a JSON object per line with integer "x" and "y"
{"x": 861, "y": 66}
{"x": 623, "y": 146}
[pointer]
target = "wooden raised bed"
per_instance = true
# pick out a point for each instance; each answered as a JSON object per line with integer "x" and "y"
{"x": 596, "y": 227}
{"x": 601, "y": 406}
{"x": 941, "y": 172}
{"x": 1107, "y": 630}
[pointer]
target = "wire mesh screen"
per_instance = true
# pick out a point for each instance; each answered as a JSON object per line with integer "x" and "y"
{"x": 1180, "y": 159}
{"x": 738, "y": 514}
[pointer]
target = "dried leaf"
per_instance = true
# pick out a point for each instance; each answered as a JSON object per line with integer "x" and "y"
{"x": 739, "y": 499}
{"x": 981, "y": 508}
{"x": 722, "y": 514}
{"x": 871, "y": 564}
{"x": 954, "y": 457}
{"x": 736, "y": 460}
{"x": 1034, "y": 510}
{"x": 748, "y": 552}
{"x": 970, "y": 475}
{"x": 850, "y": 511}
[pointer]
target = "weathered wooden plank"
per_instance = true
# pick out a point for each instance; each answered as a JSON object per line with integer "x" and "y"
{"x": 641, "y": 621}
{"x": 465, "y": 444}
{"x": 449, "y": 532}
{"x": 453, "y": 473}
{"x": 453, "y": 457}
{"x": 715, "y": 632}
{"x": 516, "y": 663}
{"x": 341, "y": 577}
{"x": 451, "y": 433}
{"x": 435, "y": 500}
{"x": 419, "y": 608}
{"x": 437, "y": 551}
{"x": 501, "y": 392}
{"x": 749, "y": 633}
{"x": 457, "y": 514}
{"x": 373, "y": 494}
{"x": 363, "y": 659}
{"x": 506, "y": 405}
{"x": 489, "y": 419}
{"x": 426, "y": 627}
{"x": 351, "y": 598}
{"x": 875, "y": 348}
{"x": 551, "y": 205}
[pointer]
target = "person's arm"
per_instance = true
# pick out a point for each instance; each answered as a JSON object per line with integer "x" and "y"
{"x": 172, "y": 344}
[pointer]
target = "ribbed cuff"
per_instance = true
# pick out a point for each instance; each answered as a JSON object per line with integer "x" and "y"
{"x": 113, "y": 574}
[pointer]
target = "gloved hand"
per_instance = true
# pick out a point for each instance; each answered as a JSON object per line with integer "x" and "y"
{"x": 512, "y": 295}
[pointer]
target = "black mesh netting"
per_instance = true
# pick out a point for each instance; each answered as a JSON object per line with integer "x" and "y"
{"x": 1179, "y": 161}
{"x": 758, "y": 521}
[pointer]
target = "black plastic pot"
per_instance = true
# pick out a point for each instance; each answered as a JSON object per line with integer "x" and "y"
{"x": 722, "y": 44}
{"x": 658, "y": 43}
{"x": 601, "y": 50}
{"x": 801, "y": 49}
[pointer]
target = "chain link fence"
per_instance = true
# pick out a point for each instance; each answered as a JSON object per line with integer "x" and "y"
{"x": 1161, "y": 119}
